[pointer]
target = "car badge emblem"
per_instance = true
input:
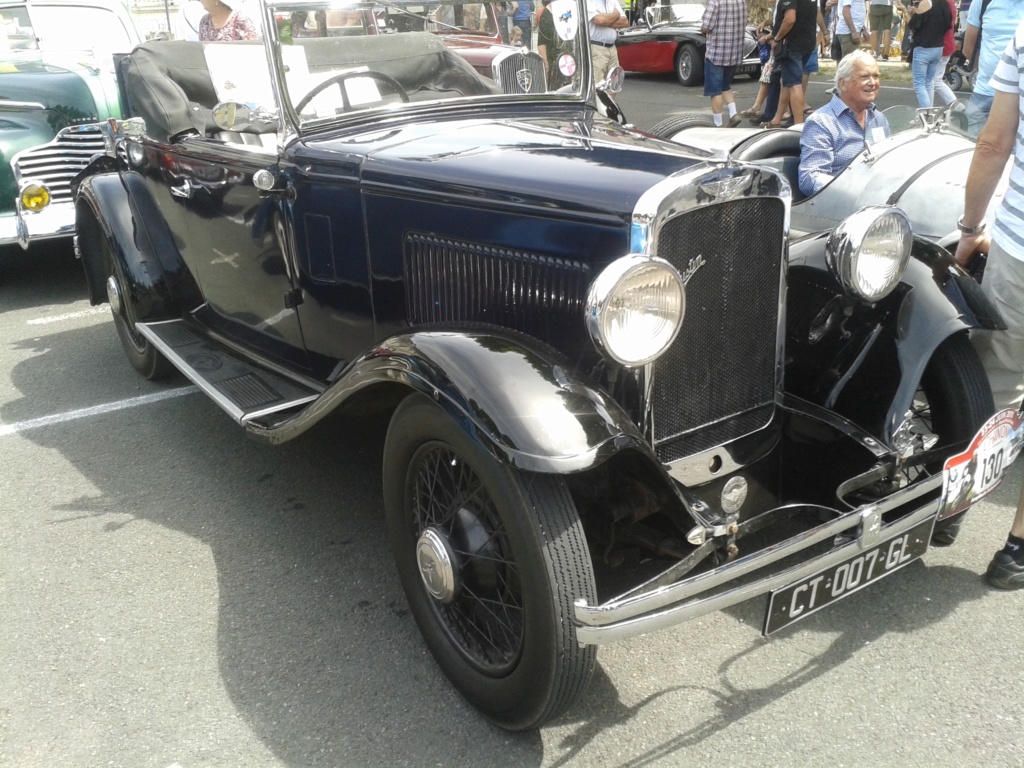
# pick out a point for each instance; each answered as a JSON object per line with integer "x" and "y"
{"x": 525, "y": 79}
{"x": 694, "y": 264}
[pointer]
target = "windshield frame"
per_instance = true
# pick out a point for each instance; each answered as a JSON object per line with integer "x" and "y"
{"x": 293, "y": 125}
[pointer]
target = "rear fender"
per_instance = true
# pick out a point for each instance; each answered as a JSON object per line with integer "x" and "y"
{"x": 118, "y": 208}
{"x": 519, "y": 400}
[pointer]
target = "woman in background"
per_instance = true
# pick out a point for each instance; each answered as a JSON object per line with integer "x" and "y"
{"x": 223, "y": 24}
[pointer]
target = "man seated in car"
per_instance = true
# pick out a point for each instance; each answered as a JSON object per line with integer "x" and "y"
{"x": 835, "y": 134}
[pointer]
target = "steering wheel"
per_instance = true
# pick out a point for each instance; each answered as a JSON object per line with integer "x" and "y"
{"x": 340, "y": 78}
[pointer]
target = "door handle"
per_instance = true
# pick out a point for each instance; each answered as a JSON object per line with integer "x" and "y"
{"x": 182, "y": 190}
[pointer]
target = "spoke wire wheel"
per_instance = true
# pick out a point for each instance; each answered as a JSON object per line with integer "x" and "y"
{"x": 491, "y": 559}
{"x": 482, "y": 612}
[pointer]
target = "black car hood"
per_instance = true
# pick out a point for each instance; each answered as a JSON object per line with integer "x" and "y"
{"x": 587, "y": 165}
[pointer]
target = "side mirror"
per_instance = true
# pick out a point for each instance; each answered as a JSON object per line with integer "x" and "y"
{"x": 613, "y": 83}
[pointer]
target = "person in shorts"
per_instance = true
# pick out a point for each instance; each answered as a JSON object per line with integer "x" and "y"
{"x": 794, "y": 38}
{"x": 880, "y": 21}
{"x": 724, "y": 24}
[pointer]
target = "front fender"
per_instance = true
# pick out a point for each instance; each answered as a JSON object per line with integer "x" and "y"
{"x": 118, "y": 207}
{"x": 868, "y": 364}
{"x": 520, "y": 400}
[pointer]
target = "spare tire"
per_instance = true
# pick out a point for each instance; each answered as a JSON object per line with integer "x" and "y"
{"x": 673, "y": 124}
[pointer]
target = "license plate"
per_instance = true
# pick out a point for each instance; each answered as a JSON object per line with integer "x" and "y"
{"x": 801, "y": 599}
{"x": 970, "y": 475}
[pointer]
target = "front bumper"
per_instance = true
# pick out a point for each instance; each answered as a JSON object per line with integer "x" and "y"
{"x": 58, "y": 220}
{"x": 707, "y": 592}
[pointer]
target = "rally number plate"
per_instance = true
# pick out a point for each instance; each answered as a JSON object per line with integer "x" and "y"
{"x": 801, "y": 599}
{"x": 970, "y": 475}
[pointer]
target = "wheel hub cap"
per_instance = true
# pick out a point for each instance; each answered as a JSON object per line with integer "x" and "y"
{"x": 436, "y": 562}
{"x": 114, "y": 295}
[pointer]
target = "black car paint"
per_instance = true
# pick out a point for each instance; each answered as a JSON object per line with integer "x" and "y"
{"x": 363, "y": 183}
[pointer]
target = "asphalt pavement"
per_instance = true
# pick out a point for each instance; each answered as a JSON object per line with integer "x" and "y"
{"x": 174, "y": 595}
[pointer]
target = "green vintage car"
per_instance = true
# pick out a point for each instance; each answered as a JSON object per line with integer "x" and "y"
{"x": 56, "y": 83}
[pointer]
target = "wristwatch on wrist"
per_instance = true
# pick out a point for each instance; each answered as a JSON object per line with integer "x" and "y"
{"x": 977, "y": 229}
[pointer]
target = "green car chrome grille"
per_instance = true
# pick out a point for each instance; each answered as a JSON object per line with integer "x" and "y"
{"x": 58, "y": 161}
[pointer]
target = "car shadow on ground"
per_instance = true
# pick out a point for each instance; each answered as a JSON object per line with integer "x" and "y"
{"x": 905, "y": 603}
{"x": 315, "y": 645}
{"x": 47, "y": 274}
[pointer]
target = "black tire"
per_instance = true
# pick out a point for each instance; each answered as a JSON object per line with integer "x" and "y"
{"x": 143, "y": 356}
{"x": 959, "y": 397}
{"x": 954, "y": 80}
{"x": 953, "y": 402}
{"x": 690, "y": 65}
{"x": 504, "y": 634}
{"x": 673, "y": 124}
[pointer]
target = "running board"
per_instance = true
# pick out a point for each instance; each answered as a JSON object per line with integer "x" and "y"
{"x": 243, "y": 390}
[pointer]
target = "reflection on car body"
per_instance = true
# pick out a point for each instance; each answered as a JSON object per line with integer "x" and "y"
{"x": 590, "y": 342}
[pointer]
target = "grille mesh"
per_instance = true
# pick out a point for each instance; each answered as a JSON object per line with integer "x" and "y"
{"x": 717, "y": 382}
{"x": 57, "y": 162}
{"x": 521, "y": 72}
{"x": 449, "y": 281}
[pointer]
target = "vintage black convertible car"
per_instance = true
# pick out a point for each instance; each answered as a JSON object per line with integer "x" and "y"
{"x": 619, "y": 396}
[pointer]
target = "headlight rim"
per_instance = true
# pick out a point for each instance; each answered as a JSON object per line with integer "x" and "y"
{"x": 603, "y": 289}
{"x": 842, "y": 249}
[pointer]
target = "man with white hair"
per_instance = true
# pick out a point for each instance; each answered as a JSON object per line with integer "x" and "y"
{"x": 835, "y": 134}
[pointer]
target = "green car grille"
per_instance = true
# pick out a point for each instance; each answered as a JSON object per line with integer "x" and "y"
{"x": 58, "y": 161}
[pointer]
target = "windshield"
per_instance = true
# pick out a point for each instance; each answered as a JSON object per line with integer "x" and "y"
{"x": 685, "y": 12}
{"x": 342, "y": 58}
{"x": 64, "y": 28}
{"x": 904, "y": 118}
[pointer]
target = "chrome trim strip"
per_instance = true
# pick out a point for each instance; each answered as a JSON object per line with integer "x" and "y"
{"x": 21, "y": 106}
{"x": 619, "y": 619}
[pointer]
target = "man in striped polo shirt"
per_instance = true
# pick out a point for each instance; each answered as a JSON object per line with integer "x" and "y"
{"x": 1002, "y": 352}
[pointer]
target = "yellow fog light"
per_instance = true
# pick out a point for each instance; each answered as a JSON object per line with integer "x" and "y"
{"x": 34, "y": 196}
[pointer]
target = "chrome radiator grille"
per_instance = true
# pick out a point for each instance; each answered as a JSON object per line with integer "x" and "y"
{"x": 57, "y": 162}
{"x": 718, "y": 380}
{"x": 520, "y": 72}
{"x": 450, "y": 281}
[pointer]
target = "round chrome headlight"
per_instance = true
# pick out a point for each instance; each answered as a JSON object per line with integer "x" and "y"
{"x": 869, "y": 251}
{"x": 635, "y": 308}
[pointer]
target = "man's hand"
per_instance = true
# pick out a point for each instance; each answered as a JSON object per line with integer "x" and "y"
{"x": 970, "y": 245}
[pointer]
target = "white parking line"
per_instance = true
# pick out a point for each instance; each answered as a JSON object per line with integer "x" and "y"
{"x": 69, "y": 316}
{"x": 96, "y": 410}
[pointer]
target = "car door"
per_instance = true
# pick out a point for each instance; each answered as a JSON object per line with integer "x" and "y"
{"x": 234, "y": 240}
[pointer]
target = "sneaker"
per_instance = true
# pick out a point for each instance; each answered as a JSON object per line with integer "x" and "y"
{"x": 735, "y": 120}
{"x": 1004, "y": 572}
{"x": 946, "y": 531}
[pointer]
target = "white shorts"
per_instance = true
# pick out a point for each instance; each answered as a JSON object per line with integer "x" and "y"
{"x": 1002, "y": 352}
